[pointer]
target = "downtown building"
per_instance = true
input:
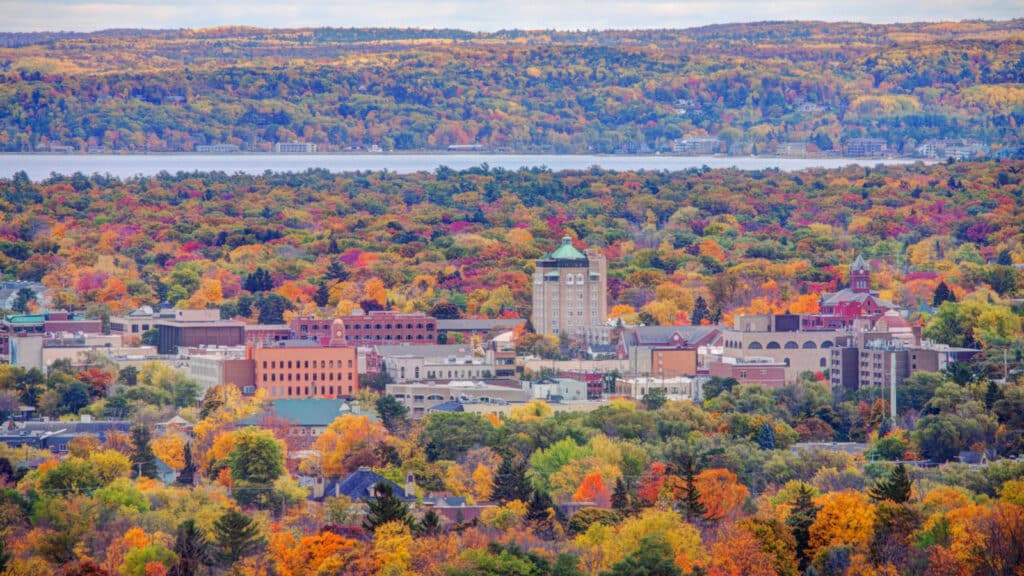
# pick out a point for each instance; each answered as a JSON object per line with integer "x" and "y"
{"x": 570, "y": 295}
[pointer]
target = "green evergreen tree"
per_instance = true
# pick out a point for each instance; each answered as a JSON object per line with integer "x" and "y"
{"x": 693, "y": 509}
{"x": 700, "y": 311}
{"x": 992, "y": 395}
{"x": 942, "y": 294}
{"x": 543, "y": 515}
{"x": 620, "y": 496}
{"x": 392, "y": 412}
{"x": 143, "y": 459}
{"x": 895, "y": 487}
{"x": 510, "y": 482}
{"x": 800, "y": 519}
{"x": 430, "y": 524}
{"x": 386, "y": 507}
{"x": 187, "y": 476}
{"x": 192, "y": 548}
{"x": 332, "y": 246}
{"x": 766, "y": 437}
{"x": 236, "y": 536}
{"x": 653, "y": 558}
{"x": 322, "y": 294}
{"x": 336, "y": 271}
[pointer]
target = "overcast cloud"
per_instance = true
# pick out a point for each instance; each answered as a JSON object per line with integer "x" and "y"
{"x": 86, "y": 15}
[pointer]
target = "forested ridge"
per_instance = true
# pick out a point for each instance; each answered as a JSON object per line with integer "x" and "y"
{"x": 755, "y": 85}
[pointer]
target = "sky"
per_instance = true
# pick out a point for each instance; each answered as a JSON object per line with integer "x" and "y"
{"x": 477, "y": 15}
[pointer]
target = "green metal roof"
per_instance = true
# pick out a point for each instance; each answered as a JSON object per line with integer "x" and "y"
{"x": 566, "y": 251}
{"x": 27, "y": 319}
{"x": 315, "y": 411}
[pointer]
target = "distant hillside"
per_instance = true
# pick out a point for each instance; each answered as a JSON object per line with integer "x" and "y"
{"x": 754, "y": 86}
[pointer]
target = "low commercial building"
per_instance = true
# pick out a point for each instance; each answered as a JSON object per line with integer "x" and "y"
{"x": 215, "y": 366}
{"x": 53, "y": 322}
{"x": 665, "y": 351}
{"x": 192, "y": 328}
{"x": 418, "y": 397}
{"x": 41, "y": 351}
{"x": 766, "y": 372}
{"x": 558, "y": 389}
{"x": 676, "y": 388}
{"x": 438, "y": 362}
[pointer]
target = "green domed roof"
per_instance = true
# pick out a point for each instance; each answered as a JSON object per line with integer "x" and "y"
{"x": 566, "y": 251}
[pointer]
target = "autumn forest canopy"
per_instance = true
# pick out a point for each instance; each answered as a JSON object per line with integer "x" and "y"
{"x": 608, "y": 91}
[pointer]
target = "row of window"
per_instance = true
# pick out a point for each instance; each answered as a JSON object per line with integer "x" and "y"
{"x": 369, "y": 337}
{"x": 419, "y": 326}
{"x": 305, "y": 390}
{"x": 328, "y": 376}
{"x": 274, "y": 364}
{"x": 773, "y": 345}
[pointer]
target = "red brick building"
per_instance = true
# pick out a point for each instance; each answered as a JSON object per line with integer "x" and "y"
{"x": 304, "y": 369}
{"x": 377, "y": 327}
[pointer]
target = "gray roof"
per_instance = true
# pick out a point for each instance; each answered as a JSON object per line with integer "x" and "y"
{"x": 480, "y": 324}
{"x": 662, "y": 335}
{"x": 424, "y": 350}
{"x": 848, "y": 295}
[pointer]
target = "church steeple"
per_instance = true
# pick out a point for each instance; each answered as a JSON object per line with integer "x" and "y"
{"x": 860, "y": 276}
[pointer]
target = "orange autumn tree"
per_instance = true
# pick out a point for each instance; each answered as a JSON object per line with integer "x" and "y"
{"x": 593, "y": 489}
{"x": 346, "y": 437}
{"x": 737, "y": 552}
{"x": 323, "y": 553}
{"x": 720, "y": 493}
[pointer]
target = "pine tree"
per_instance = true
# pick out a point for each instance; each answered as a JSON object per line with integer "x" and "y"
{"x": 693, "y": 508}
{"x": 322, "y": 294}
{"x": 237, "y": 536}
{"x": 332, "y": 246}
{"x": 800, "y": 519}
{"x": 942, "y": 294}
{"x": 766, "y": 437}
{"x": 143, "y": 460}
{"x": 429, "y": 525}
{"x": 386, "y": 507}
{"x": 896, "y": 487}
{"x": 192, "y": 548}
{"x": 543, "y": 515}
{"x": 992, "y": 395}
{"x": 187, "y": 476}
{"x": 510, "y": 482}
{"x": 700, "y": 311}
{"x": 620, "y": 496}
{"x": 336, "y": 271}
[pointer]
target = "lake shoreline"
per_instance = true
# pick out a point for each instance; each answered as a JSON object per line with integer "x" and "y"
{"x": 40, "y": 166}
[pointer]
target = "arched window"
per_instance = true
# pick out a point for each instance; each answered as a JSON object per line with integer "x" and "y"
{"x": 826, "y": 344}
{"x": 756, "y": 346}
{"x": 791, "y": 345}
{"x": 810, "y": 345}
{"x": 773, "y": 345}
{"x": 821, "y": 363}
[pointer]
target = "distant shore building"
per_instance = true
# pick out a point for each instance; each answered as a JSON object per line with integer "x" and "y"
{"x": 957, "y": 149}
{"x": 294, "y": 148}
{"x": 696, "y": 146}
{"x": 217, "y": 148}
{"x": 570, "y": 294}
{"x": 866, "y": 147}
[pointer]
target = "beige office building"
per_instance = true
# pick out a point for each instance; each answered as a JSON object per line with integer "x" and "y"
{"x": 570, "y": 295}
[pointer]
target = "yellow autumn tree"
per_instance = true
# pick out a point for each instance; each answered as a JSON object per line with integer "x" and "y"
{"x": 845, "y": 517}
{"x": 483, "y": 482}
{"x": 170, "y": 449}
